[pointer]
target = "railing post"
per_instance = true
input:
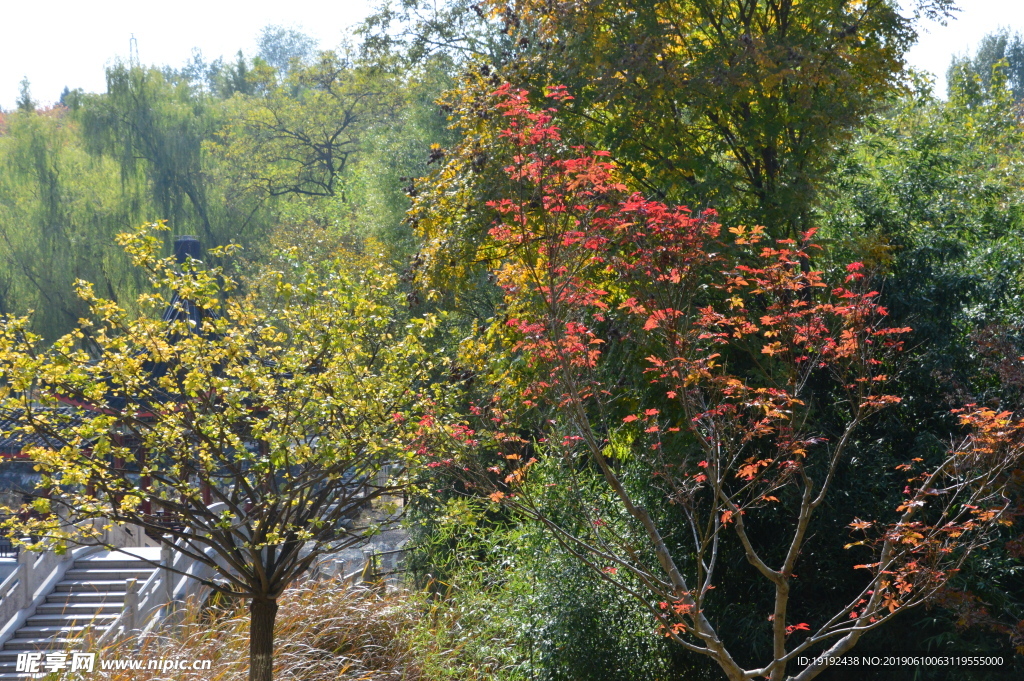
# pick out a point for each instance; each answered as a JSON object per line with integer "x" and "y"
{"x": 131, "y": 604}
{"x": 166, "y": 576}
{"x": 26, "y": 561}
{"x": 370, "y": 569}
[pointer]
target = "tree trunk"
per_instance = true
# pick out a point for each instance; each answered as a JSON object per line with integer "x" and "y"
{"x": 262, "y": 612}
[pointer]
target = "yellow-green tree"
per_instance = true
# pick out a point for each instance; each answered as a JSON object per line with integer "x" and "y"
{"x": 732, "y": 102}
{"x": 260, "y": 422}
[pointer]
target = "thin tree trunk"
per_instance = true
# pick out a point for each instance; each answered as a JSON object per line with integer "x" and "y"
{"x": 262, "y": 613}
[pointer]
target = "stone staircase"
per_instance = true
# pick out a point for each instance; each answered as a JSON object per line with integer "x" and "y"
{"x": 89, "y": 598}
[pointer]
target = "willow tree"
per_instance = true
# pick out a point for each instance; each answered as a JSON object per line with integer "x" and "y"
{"x": 59, "y": 212}
{"x": 257, "y": 425}
{"x": 154, "y": 127}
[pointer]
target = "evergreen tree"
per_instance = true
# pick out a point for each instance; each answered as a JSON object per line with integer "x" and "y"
{"x": 25, "y": 102}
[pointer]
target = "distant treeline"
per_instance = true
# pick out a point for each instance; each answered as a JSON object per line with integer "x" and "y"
{"x": 235, "y": 151}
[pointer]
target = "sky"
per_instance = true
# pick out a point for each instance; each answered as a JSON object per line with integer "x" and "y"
{"x": 69, "y": 42}
{"x": 61, "y": 43}
{"x": 937, "y": 44}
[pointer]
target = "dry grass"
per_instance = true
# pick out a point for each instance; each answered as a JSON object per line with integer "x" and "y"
{"x": 325, "y": 630}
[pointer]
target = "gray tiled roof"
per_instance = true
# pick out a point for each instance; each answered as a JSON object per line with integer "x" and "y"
{"x": 12, "y": 442}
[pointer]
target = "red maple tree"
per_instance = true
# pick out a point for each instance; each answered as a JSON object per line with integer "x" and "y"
{"x": 755, "y": 374}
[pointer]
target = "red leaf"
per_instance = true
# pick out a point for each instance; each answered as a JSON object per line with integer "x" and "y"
{"x": 803, "y": 626}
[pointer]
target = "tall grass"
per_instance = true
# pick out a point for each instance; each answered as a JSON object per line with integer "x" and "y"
{"x": 327, "y": 630}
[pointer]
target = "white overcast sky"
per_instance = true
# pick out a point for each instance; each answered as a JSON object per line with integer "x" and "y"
{"x": 68, "y": 42}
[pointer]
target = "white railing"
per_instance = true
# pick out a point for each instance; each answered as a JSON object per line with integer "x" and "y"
{"x": 38, "y": 573}
{"x": 27, "y": 587}
{"x": 138, "y": 605}
{"x": 122, "y": 535}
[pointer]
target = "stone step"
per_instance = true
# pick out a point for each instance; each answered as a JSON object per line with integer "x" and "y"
{"x": 51, "y": 631}
{"x": 22, "y": 644}
{"x": 104, "y": 574}
{"x": 86, "y": 602}
{"x": 94, "y": 585}
{"x": 69, "y": 619}
{"x": 127, "y": 564}
{"x": 72, "y": 608}
{"x": 86, "y": 597}
{"x": 9, "y": 658}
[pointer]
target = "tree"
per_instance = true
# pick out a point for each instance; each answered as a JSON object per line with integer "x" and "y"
{"x": 232, "y": 78}
{"x": 727, "y": 104}
{"x": 733, "y": 103}
{"x": 59, "y": 212}
{"x": 258, "y": 425}
{"x": 999, "y": 46}
{"x": 298, "y": 137}
{"x": 25, "y": 102}
{"x": 672, "y": 373}
{"x": 156, "y": 127}
{"x": 949, "y": 250}
{"x": 458, "y": 30}
{"x": 284, "y": 48}
{"x": 67, "y": 96}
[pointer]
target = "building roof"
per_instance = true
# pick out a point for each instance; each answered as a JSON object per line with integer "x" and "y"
{"x": 13, "y": 442}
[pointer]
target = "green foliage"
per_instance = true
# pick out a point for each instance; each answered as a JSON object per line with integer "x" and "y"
{"x": 419, "y": 30}
{"x": 335, "y": 144}
{"x": 730, "y": 104}
{"x": 154, "y": 129}
{"x": 523, "y": 603}
{"x": 284, "y": 49}
{"x": 75, "y": 176}
{"x": 231, "y": 152}
{"x": 395, "y": 150}
{"x": 25, "y": 102}
{"x": 216, "y": 78}
{"x": 589, "y": 631}
{"x": 930, "y": 195}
